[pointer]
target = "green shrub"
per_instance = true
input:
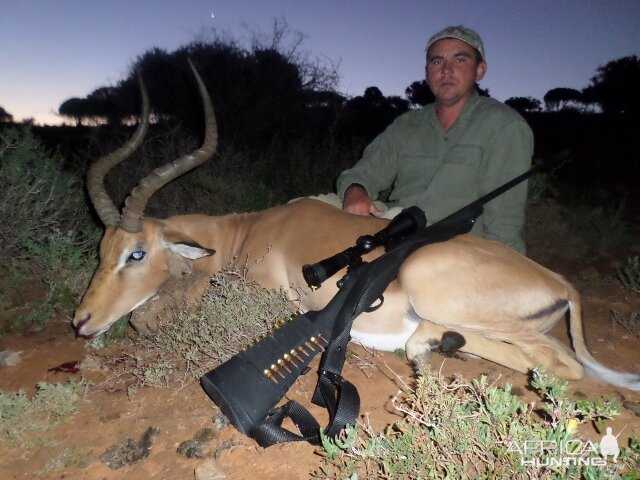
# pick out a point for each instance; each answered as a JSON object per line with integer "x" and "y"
{"x": 49, "y": 406}
{"x": 47, "y": 232}
{"x": 460, "y": 429}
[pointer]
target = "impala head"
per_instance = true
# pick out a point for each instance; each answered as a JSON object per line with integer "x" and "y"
{"x": 138, "y": 254}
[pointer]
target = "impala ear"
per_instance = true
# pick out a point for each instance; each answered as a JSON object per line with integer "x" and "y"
{"x": 192, "y": 252}
{"x": 185, "y": 246}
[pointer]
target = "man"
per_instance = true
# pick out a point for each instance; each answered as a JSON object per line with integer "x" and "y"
{"x": 449, "y": 153}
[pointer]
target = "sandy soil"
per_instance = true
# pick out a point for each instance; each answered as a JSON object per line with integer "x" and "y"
{"x": 106, "y": 418}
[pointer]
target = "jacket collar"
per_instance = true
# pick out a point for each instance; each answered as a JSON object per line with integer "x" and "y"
{"x": 466, "y": 113}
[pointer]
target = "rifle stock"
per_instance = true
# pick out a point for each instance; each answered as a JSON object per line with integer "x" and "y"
{"x": 248, "y": 386}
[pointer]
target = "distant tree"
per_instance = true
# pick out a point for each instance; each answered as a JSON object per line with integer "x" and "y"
{"x": 483, "y": 92}
{"x": 615, "y": 86}
{"x": 5, "y": 116}
{"x": 560, "y": 98}
{"x": 74, "y": 108}
{"x": 524, "y": 104}
{"x": 104, "y": 104}
{"x": 397, "y": 105}
{"x": 368, "y": 114}
{"x": 419, "y": 93}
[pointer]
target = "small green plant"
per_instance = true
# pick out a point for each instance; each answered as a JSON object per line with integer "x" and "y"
{"x": 332, "y": 447}
{"x": 629, "y": 274}
{"x": 460, "y": 429}
{"x": 46, "y": 409}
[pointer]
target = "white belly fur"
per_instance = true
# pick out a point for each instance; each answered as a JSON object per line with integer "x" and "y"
{"x": 387, "y": 342}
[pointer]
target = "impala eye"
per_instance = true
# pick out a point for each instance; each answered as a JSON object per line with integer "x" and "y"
{"x": 136, "y": 256}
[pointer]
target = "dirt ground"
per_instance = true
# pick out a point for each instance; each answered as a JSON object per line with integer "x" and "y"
{"x": 108, "y": 417}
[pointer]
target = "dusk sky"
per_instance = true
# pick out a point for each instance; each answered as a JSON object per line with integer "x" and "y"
{"x": 51, "y": 50}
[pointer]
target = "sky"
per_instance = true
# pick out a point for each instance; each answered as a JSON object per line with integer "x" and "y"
{"x": 52, "y": 50}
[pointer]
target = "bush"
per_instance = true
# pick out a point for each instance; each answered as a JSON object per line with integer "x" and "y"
{"x": 46, "y": 230}
{"x": 461, "y": 429}
{"x": 233, "y": 312}
{"x": 51, "y": 404}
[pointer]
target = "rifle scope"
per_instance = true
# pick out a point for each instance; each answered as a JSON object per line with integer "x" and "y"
{"x": 409, "y": 221}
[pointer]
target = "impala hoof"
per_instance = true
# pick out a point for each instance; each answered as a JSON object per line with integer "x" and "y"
{"x": 450, "y": 344}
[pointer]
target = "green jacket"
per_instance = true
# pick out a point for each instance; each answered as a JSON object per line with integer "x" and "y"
{"x": 440, "y": 172}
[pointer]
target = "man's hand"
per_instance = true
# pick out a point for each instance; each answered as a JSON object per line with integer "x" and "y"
{"x": 357, "y": 201}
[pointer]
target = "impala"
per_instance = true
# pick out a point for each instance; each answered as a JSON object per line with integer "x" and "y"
{"x": 499, "y": 301}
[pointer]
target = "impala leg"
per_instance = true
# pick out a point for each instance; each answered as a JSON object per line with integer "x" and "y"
{"x": 532, "y": 349}
{"x": 427, "y": 337}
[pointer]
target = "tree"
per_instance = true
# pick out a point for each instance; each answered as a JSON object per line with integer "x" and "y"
{"x": 524, "y": 104}
{"x": 419, "y": 93}
{"x": 74, "y": 108}
{"x": 5, "y": 116}
{"x": 103, "y": 104}
{"x": 367, "y": 115}
{"x": 483, "y": 92}
{"x": 615, "y": 86}
{"x": 560, "y": 98}
{"x": 266, "y": 93}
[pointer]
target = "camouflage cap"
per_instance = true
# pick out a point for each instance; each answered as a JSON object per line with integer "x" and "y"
{"x": 461, "y": 33}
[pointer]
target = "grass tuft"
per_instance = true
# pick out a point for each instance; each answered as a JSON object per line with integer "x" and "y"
{"x": 45, "y": 410}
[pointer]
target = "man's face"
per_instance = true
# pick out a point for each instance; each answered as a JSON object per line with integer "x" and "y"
{"x": 452, "y": 71}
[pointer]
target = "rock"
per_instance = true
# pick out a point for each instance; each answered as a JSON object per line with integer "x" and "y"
{"x": 192, "y": 449}
{"x": 198, "y": 446}
{"x": 220, "y": 421}
{"x": 9, "y": 358}
{"x": 130, "y": 451}
{"x": 209, "y": 470}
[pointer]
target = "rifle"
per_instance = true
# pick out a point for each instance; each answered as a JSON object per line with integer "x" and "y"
{"x": 248, "y": 386}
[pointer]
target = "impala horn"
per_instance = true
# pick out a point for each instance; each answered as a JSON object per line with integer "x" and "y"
{"x": 105, "y": 208}
{"x": 130, "y": 220}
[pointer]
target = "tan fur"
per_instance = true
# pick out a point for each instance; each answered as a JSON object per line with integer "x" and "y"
{"x": 476, "y": 287}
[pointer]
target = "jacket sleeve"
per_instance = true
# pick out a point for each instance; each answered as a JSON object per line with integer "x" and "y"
{"x": 376, "y": 170}
{"x": 507, "y": 155}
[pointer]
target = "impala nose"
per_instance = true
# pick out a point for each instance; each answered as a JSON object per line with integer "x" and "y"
{"x": 78, "y": 323}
